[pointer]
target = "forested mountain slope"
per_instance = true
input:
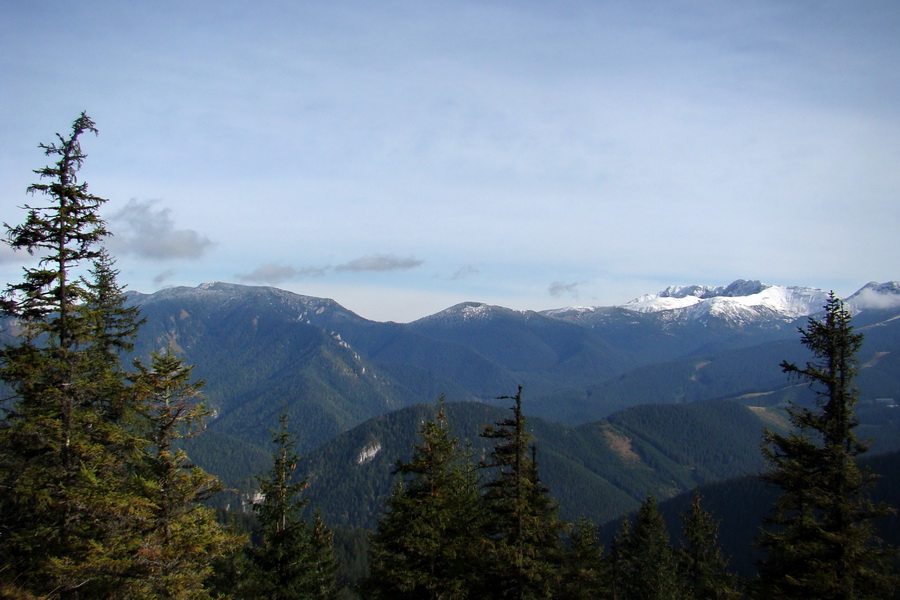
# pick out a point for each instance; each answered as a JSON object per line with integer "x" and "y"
{"x": 262, "y": 348}
{"x": 600, "y": 469}
{"x": 741, "y": 504}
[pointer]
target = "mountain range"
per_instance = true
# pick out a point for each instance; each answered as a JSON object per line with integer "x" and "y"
{"x": 257, "y": 347}
{"x": 262, "y": 351}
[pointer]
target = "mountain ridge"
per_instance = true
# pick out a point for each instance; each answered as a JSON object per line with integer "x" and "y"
{"x": 789, "y": 302}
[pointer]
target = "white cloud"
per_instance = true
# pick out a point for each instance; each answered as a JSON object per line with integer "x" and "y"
{"x": 868, "y": 298}
{"x": 380, "y": 263}
{"x": 150, "y": 232}
{"x": 558, "y": 288}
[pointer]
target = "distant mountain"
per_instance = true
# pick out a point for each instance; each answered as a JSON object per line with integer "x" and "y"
{"x": 738, "y": 304}
{"x": 587, "y": 372}
{"x": 875, "y": 296}
{"x": 599, "y": 469}
{"x": 539, "y": 351}
{"x": 259, "y": 348}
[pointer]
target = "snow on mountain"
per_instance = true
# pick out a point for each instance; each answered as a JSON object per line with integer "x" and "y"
{"x": 469, "y": 311}
{"x": 309, "y": 309}
{"x": 740, "y": 301}
{"x": 875, "y": 295}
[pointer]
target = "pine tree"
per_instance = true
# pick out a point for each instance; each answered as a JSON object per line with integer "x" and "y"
{"x": 323, "y": 562}
{"x": 643, "y": 561}
{"x": 820, "y": 542}
{"x": 112, "y": 327}
{"x": 181, "y": 537}
{"x": 585, "y": 573}
{"x": 525, "y": 550}
{"x": 114, "y": 324}
{"x": 429, "y": 537}
{"x": 296, "y": 560}
{"x": 66, "y": 510}
{"x": 702, "y": 569}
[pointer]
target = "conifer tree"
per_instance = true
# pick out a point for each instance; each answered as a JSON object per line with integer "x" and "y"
{"x": 95, "y": 500}
{"x": 323, "y": 561}
{"x": 113, "y": 323}
{"x": 181, "y": 538}
{"x": 67, "y": 519}
{"x": 820, "y": 540}
{"x": 585, "y": 573}
{"x": 643, "y": 559}
{"x": 429, "y": 537}
{"x": 296, "y": 560}
{"x": 525, "y": 550}
{"x": 701, "y": 567}
{"x": 113, "y": 327}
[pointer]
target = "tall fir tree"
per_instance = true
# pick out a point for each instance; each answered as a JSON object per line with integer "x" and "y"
{"x": 643, "y": 560}
{"x": 702, "y": 568}
{"x": 820, "y": 540}
{"x": 181, "y": 537}
{"x": 113, "y": 326}
{"x": 113, "y": 323}
{"x": 296, "y": 559}
{"x": 323, "y": 562}
{"x": 67, "y": 512}
{"x": 525, "y": 549}
{"x": 428, "y": 539}
{"x": 585, "y": 573}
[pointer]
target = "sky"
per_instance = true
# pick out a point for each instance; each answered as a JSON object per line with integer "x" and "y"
{"x": 402, "y": 157}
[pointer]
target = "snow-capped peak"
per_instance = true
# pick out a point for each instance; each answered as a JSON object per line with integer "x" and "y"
{"x": 876, "y": 295}
{"x": 739, "y": 301}
{"x": 471, "y": 311}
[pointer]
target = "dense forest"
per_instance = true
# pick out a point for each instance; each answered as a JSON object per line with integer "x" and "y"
{"x": 99, "y": 498}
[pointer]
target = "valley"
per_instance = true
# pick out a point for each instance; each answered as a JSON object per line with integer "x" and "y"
{"x": 621, "y": 401}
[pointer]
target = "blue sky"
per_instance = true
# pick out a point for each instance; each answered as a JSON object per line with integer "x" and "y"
{"x": 400, "y": 157}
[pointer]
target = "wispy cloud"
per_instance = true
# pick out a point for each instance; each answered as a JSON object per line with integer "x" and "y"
{"x": 150, "y": 232}
{"x": 558, "y": 288}
{"x": 161, "y": 278}
{"x": 464, "y": 272}
{"x": 380, "y": 262}
{"x": 273, "y": 273}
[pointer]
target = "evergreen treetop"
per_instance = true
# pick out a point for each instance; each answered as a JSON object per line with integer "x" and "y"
{"x": 63, "y": 234}
{"x": 820, "y": 540}
{"x": 429, "y": 539}
{"x": 525, "y": 550}
{"x": 295, "y": 560}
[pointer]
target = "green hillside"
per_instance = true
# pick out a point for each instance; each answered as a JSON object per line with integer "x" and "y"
{"x": 741, "y": 504}
{"x": 599, "y": 470}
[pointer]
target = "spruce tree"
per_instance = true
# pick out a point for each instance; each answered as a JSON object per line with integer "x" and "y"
{"x": 525, "y": 550}
{"x": 113, "y": 326}
{"x": 585, "y": 572}
{"x": 67, "y": 511}
{"x": 820, "y": 540}
{"x": 181, "y": 538}
{"x": 323, "y": 562}
{"x": 429, "y": 538}
{"x": 701, "y": 567}
{"x": 643, "y": 560}
{"x": 296, "y": 560}
{"x": 113, "y": 323}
